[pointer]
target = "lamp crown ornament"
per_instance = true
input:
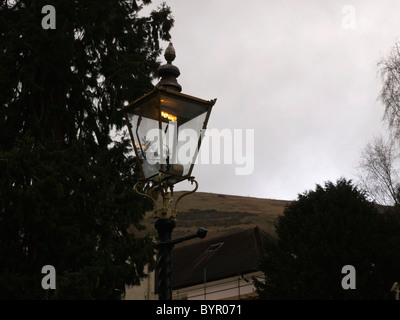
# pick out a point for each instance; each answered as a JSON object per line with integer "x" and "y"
{"x": 169, "y": 72}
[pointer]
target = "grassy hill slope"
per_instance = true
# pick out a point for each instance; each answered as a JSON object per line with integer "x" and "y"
{"x": 220, "y": 214}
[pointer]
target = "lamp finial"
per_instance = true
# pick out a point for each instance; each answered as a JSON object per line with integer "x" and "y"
{"x": 168, "y": 72}
{"x": 170, "y": 54}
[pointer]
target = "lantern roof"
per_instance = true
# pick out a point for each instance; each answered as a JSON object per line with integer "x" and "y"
{"x": 172, "y": 93}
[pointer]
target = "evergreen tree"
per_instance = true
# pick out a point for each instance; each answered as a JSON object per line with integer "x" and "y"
{"x": 66, "y": 188}
{"x": 320, "y": 233}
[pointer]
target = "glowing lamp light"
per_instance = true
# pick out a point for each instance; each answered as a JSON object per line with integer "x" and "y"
{"x": 168, "y": 116}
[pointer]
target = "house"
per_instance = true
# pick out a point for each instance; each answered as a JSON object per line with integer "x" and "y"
{"x": 212, "y": 269}
{"x": 219, "y": 268}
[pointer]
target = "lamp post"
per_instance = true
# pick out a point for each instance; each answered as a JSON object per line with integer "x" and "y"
{"x": 166, "y": 128}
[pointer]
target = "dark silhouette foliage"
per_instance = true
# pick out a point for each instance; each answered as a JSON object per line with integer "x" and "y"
{"x": 322, "y": 231}
{"x": 66, "y": 186}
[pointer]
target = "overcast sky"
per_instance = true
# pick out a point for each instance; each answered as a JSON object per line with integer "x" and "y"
{"x": 301, "y": 73}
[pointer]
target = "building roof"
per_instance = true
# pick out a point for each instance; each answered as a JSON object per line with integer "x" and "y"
{"x": 217, "y": 258}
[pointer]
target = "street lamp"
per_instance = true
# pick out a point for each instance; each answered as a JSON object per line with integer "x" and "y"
{"x": 166, "y": 128}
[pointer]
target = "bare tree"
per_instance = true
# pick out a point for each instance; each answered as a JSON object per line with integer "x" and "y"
{"x": 378, "y": 171}
{"x": 389, "y": 71}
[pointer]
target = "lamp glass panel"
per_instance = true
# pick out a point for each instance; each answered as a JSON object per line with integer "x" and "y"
{"x": 181, "y": 139}
{"x": 148, "y": 144}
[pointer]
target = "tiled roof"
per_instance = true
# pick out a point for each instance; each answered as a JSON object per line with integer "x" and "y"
{"x": 217, "y": 258}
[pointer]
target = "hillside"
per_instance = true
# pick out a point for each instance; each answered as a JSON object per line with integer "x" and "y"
{"x": 220, "y": 213}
